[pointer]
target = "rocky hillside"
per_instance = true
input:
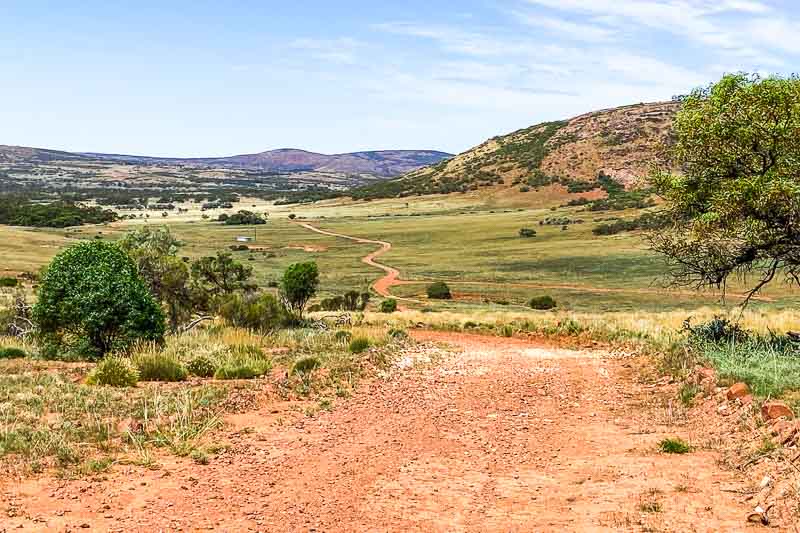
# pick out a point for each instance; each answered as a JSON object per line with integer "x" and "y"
{"x": 619, "y": 144}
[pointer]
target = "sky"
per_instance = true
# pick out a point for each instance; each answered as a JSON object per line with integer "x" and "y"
{"x": 208, "y": 78}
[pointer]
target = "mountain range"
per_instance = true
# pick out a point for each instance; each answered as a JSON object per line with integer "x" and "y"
{"x": 385, "y": 163}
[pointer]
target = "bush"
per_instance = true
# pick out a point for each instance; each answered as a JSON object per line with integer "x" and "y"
{"x": 439, "y": 291}
{"x": 92, "y": 292}
{"x": 349, "y": 301}
{"x": 305, "y": 366}
{"x": 716, "y": 330}
{"x": 542, "y": 303}
{"x": 343, "y": 335}
{"x": 359, "y": 345}
{"x": 114, "y": 371}
{"x": 12, "y": 353}
{"x": 160, "y": 367}
{"x": 202, "y": 367}
{"x": 243, "y": 362}
{"x": 388, "y": 306}
{"x": 260, "y": 311}
{"x": 243, "y": 369}
{"x": 8, "y": 282}
{"x": 675, "y": 445}
{"x": 398, "y": 334}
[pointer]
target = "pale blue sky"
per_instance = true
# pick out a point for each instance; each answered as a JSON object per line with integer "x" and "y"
{"x": 202, "y": 78}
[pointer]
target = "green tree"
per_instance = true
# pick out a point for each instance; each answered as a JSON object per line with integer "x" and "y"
{"x": 298, "y": 285}
{"x": 154, "y": 250}
{"x": 735, "y": 205}
{"x": 439, "y": 291}
{"x": 91, "y": 296}
{"x": 258, "y": 311}
{"x": 221, "y": 275}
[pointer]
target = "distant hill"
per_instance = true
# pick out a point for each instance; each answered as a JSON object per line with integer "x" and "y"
{"x": 23, "y": 154}
{"x": 386, "y": 163}
{"x": 620, "y": 144}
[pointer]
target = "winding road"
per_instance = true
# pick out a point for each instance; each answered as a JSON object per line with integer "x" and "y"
{"x": 382, "y": 285}
{"x": 391, "y": 278}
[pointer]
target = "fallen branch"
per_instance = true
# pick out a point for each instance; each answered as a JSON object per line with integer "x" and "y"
{"x": 191, "y": 325}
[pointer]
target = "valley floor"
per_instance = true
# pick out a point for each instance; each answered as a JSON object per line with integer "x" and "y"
{"x": 499, "y": 435}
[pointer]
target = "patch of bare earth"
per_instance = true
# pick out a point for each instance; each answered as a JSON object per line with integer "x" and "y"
{"x": 501, "y": 435}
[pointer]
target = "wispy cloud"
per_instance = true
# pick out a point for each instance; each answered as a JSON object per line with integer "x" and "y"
{"x": 343, "y": 50}
{"x": 566, "y": 29}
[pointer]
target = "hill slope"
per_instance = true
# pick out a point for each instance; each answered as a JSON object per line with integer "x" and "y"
{"x": 619, "y": 143}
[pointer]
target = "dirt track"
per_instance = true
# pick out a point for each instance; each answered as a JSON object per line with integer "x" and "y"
{"x": 384, "y": 284}
{"x": 502, "y": 435}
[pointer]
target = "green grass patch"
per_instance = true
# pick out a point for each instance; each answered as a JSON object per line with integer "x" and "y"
{"x": 769, "y": 368}
{"x": 674, "y": 446}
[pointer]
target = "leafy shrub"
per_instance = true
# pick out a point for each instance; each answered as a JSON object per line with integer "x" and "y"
{"x": 260, "y": 311}
{"x": 674, "y": 445}
{"x": 542, "y": 303}
{"x": 12, "y": 353}
{"x": 507, "y": 331}
{"x": 160, "y": 367}
{"x": 8, "y": 282}
{"x": 93, "y": 291}
{"x": 343, "y": 335}
{"x": 359, "y": 345}
{"x": 527, "y": 233}
{"x": 439, "y": 291}
{"x": 202, "y": 367}
{"x": 305, "y": 366}
{"x": 114, "y": 371}
{"x": 388, "y": 306}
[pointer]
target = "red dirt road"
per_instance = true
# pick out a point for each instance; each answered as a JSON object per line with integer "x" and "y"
{"x": 382, "y": 285}
{"x": 501, "y": 435}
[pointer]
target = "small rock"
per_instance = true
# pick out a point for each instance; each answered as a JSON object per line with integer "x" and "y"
{"x": 706, "y": 374}
{"x": 773, "y": 410}
{"x": 737, "y": 391}
{"x": 746, "y": 400}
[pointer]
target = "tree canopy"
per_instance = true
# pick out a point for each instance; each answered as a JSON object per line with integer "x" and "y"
{"x": 298, "y": 285}
{"x": 91, "y": 298}
{"x": 734, "y": 204}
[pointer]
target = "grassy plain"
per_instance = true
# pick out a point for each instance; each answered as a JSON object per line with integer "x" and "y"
{"x": 461, "y": 239}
